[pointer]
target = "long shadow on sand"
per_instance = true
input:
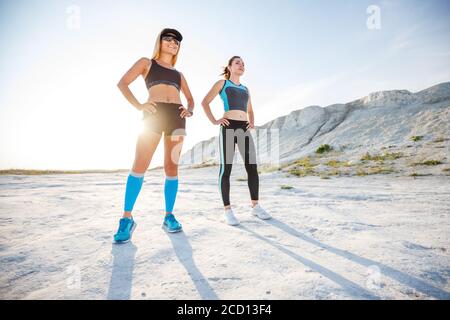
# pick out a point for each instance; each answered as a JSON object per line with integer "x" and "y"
{"x": 183, "y": 251}
{"x": 122, "y": 273}
{"x": 390, "y": 272}
{"x": 355, "y": 290}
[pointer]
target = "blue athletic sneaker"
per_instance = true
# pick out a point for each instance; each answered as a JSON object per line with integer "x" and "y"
{"x": 126, "y": 228}
{"x": 171, "y": 224}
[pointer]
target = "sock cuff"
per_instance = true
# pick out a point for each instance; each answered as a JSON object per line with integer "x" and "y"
{"x": 136, "y": 175}
{"x": 171, "y": 178}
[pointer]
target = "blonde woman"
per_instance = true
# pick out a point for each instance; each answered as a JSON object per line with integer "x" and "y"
{"x": 237, "y": 119}
{"x": 163, "y": 112}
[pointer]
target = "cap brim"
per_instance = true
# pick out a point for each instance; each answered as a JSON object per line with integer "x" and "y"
{"x": 172, "y": 32}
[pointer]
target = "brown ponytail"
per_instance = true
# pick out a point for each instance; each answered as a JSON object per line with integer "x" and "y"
{"x": 226, "y": 72}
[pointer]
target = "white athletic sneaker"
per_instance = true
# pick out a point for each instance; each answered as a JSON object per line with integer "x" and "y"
{"x": 260, "y": 212}
{"x": 230, "y": 218}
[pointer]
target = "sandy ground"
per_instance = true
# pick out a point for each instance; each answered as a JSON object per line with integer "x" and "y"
{"x": 371, "y": 237}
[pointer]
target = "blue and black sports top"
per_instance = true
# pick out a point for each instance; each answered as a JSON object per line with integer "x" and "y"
{"x": 159, "y": 74}
{"x": 235, "y": 97}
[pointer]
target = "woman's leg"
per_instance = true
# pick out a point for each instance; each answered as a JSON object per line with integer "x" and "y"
{"x": 145, "y": 148}
{"x": 226, "y": 149}
{"x": 247, "y": 150}
{"x": 172, "y": 151}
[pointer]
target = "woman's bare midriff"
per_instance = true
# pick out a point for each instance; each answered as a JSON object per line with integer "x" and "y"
{"x": 236, "y": 115}
{"x": 164, "y": 93}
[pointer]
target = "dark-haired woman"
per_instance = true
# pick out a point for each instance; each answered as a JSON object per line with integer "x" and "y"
{"x": 162, "y": 113}
{"x": 237, "y": 119}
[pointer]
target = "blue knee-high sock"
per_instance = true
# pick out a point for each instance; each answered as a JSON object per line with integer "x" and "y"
{"x": 134, "y": 184}
{"x": 170, "y": 192}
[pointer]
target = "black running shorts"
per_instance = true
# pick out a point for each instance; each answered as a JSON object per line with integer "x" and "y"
{"x": 166, "y": 119}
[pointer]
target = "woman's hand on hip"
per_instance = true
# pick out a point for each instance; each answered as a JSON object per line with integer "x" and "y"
{"x": 222, "y": 121}
{"x": 149, "y": 106}
{"x": 184, "y": 112}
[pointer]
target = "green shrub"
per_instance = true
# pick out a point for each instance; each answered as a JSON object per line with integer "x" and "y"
{"x": 381, "y": 157}
{"x": 428, "y": 163}
{"x": 336, "y": 163}
{"x": 304, "y": 162}
{"x": 324, "y": 148}
{"x": 415, "y": 174}
{"x": 267, "y": 169}
{"x": 380, "y": 170}
{"x": 432, "y": 162}
{"x": 302, "y": 172}
{"x": 361, "y": 172}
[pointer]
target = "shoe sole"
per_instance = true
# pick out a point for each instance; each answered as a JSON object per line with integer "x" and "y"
{"x": 131, "y": 234}
{"x": 260, "y": 217}
{"x": 171, "y": 231}
{"x": 232, "y": 224}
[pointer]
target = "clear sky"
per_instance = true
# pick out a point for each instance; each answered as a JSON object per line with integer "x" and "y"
{"x": 61, "y": 60}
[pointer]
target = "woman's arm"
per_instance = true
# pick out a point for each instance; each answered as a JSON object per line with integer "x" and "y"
{"x": 210, "y": 97}
{"x": 251, "y": 115}
{"x": 188, "y": 95}
{"x": 138, "y": 68}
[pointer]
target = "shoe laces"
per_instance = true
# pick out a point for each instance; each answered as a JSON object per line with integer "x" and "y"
{"x": 170, "y": 218}
{"x": 123, "y": 224}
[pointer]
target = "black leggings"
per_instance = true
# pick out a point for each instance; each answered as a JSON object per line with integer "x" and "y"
{"x": 236, "y": 133}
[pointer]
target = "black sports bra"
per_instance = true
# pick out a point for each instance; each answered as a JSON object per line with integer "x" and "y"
{"x": 159, "y": 74}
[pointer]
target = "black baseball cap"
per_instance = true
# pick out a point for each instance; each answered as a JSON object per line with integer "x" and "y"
{"x": 172, "y": 32}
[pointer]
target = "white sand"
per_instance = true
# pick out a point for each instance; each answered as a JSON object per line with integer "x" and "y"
{"x": 372, "y": 237}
